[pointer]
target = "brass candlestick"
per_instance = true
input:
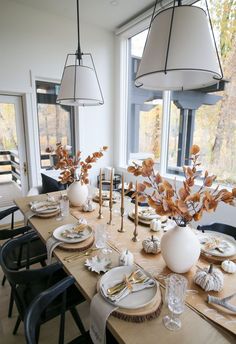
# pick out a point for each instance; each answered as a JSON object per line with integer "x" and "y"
{"x": 100, "y": 196}
{"x": 111, "y": 196}
{"x": 122, "y": 212}
{"x": 136, "y": 215}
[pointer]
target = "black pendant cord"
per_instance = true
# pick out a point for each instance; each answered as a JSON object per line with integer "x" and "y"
{"x": 79, "y": 53}
{"x": 217, "y": 53}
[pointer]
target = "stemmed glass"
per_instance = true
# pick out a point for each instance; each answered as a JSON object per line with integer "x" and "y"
{"x": 101, "y": 237}
{"x": 176, "y": 290}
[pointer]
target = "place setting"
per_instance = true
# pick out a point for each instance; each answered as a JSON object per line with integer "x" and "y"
{"x": 75, "y": 237}
{"x": 217, "y": 246}
{"x": 128, "y": 293}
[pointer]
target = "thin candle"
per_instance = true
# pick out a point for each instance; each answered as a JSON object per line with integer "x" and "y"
{"x": 122, "y": 191}
{"x": 111, "y": 188}
{"x": 100, "y": 187}
{"x": 136, "y": 205}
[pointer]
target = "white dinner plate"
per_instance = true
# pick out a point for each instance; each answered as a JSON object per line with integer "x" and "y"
{"x": 57, "y": 233}
{"x": 227, "y": 243}
{"x": 134, "y": 300}
{"x": 45, "y": 207}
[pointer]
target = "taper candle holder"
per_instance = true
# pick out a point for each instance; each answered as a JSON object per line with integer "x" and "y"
{"x": 135, "y": 237}
{"x": 122, "y": 212}
{"x": 110, "y": 206}
{"x": 100, "y": 216}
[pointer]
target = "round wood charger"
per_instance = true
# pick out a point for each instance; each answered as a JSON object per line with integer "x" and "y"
{"x": 138, "y": 315}
{"x": 216, "y": 259}
{"x": 80, "y": 246}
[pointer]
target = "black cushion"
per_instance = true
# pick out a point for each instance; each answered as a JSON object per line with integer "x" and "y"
{"x": 50, "y": 185}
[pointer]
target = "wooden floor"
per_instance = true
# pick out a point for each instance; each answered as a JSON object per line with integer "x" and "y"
{"x": 8, "y": 192}
{"x": 48, "y": 332}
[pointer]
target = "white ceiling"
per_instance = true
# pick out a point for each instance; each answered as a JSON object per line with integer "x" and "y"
{"x": 99, "y": 12}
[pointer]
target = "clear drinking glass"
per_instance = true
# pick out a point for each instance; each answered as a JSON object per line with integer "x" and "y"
{"x": 101, "y": 237}
{"x": 176, "y": 290}
{"x": 64, "y": 207}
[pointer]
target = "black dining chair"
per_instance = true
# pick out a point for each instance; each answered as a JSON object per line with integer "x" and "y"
{"x": 28, "y": 284}
{"x": 35, "y": 311}
{"x": 219, "y": 227}
{"x": 25, "y": 255}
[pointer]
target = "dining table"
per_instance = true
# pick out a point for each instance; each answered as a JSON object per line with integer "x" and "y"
{"x": 199, "y": 323}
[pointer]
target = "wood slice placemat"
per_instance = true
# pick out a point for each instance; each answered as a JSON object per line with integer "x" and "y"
{"x": 80, "y": 246}
{"x": 216, "y": 259}
{"x": 149, "y": 312}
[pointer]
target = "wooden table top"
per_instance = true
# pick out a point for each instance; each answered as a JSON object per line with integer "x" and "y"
{"x": 195, "y": 329}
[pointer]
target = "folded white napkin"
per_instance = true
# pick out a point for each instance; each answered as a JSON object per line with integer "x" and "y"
{"x": 135, "y": 287}
{"x": 51, "y": 244}
{"x": 99, "y": 313}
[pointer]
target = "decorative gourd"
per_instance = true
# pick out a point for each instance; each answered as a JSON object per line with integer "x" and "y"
{"x": 155, "y": 225}
{"x": 209, "y": 279}
{"x": 228, "y": 266}
{"x": 89, "y": 206}
{"x": 126, "y": 258}
{"x": 151, "y": 245}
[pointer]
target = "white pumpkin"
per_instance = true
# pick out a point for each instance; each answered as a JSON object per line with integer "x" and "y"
{"x": 155, "y": 225}
{"x": 209, "y": 279}
{"x": 151, "y": 245}
{"x": 126, "y": 258}
{"x": 228, "y": 266}
{"x": 89, "y": 206}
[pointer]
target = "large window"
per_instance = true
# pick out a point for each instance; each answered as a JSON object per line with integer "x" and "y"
{"x": 56, "y": 122}
{"x": 206, "y": 117}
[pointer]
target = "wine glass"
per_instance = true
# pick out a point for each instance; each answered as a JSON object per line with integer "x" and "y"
{"x": 101, "y": 237}
{"x": 176, "y": 290}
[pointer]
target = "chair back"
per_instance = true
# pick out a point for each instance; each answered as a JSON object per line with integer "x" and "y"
{"x": 38, "y": 306}
{"x": 219, "y": 227}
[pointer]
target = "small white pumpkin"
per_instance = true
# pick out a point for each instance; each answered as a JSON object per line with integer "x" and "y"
{"x": 89, "y": 206}
{"x": 151, "y": 245}
{"x": 228, "y": 266}
{"x": 209, "y": 279}
{"x": 155, "y": 225}
{"x": 126, "y": 258}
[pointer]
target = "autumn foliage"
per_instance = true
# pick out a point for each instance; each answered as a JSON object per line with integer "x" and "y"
{"x": 184, "y": 204}
{"x": 73, "y": 168}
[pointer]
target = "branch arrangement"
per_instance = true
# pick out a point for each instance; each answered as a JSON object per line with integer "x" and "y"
{"x": 184, "y": 204}
{"x": 73, "y": 168}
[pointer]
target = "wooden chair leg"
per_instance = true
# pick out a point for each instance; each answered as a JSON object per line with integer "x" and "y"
{"x": 18, "y": 321}
{"x": 62, "y": 329}
{"x": 77, "y": 320}
{"x": 11, "y": 303}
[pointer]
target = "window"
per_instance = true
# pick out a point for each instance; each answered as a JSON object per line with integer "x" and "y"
{"x": 206, "y": 117}
{"x": 145, "y": 111}
{"x": 56, "y": 122}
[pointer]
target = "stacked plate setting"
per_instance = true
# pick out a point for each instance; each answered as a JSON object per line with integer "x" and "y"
{"x": 45, "y": 208}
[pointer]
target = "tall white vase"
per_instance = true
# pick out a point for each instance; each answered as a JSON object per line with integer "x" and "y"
{"x": 180, "y": 249}
{"x": 77, "y": 193}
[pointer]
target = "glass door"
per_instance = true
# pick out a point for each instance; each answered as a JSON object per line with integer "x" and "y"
{"x": 13, "y": 163}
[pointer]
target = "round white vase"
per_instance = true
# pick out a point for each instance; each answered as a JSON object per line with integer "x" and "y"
{"x": 77, "y": 193}
{"x": 180, "y": 249}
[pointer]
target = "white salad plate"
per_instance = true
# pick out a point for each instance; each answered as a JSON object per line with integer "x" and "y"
{"x": 134, "y": 300}
{"x": 59, "y": 231}
{"x": 226, "y": 243}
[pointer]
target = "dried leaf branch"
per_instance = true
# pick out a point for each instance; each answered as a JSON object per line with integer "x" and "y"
{"x": 185, "y": 204}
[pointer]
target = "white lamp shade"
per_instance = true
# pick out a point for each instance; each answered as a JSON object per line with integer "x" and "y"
{"x": 79, "y": 87}
{"x": 192, "y": 58}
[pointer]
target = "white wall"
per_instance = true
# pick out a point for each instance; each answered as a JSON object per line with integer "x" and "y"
{"x": 34, "y": 45}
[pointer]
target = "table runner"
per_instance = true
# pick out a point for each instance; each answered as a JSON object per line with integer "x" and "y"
{"x": 155, "y": 265}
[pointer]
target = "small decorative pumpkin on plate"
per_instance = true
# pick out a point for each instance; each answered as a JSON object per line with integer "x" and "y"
{"x": 126, "y": 258}
{"x": 209, "y": 279}
{"x": 151, "y": 245}
{"x": 228, "y": 266}
{"x": 155, "y": 225}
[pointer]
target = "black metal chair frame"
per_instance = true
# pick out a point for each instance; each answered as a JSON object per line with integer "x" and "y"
{"x": 28, "y": 280}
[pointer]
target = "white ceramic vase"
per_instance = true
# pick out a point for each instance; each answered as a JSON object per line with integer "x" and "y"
{"x": 180, "y": 249}
{"x": 77, "y": 193}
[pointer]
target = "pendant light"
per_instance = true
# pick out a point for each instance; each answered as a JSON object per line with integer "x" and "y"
{"x": 79, "y": 83}
{"x": 180, "y": 51}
